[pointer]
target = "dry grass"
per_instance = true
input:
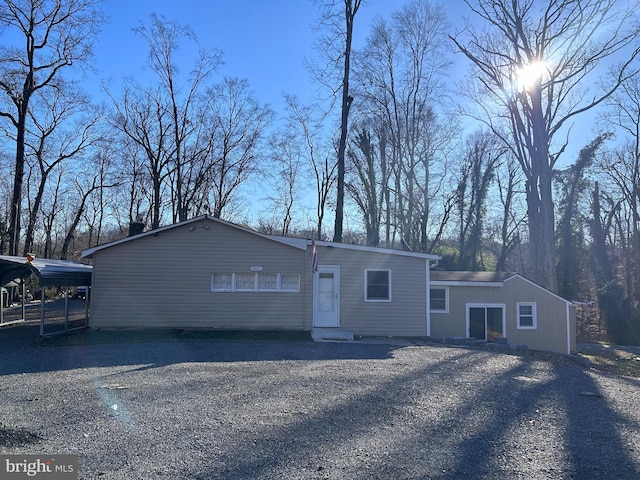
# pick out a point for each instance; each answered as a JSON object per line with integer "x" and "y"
{"x": 612, "y": 358}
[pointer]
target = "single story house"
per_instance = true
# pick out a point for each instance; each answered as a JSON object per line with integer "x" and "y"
{"x": 492, "y": 305}
{"x": 208, "y": 273}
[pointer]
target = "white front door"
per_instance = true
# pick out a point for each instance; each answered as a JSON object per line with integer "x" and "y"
{"x": 326, "y": 297}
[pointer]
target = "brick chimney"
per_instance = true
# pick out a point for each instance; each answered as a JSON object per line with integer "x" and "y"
{"x": 136, "y": 228}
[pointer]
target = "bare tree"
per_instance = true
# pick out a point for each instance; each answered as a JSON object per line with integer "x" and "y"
{"x": 56, "y": 34}
{"x": 398, "y": 74}
{"x": 144, "y": 119}
{"x": 238, "y": 127}
{"x": 623, "y": 171}
{"x": 317, "y": 155}
{"x": 572, "y": 251}
{"x": 63, "y": 127}
{"x": 338, "y": 17}
{"x": 368, "y": 191}
{"x": 287, "y": 169}
{"x": 476, "y": 176}
{"x": 535, "y": 62}
{"x": 52, "y": 208}
{"x": 87, "y": 183}
{"x": 181, "y": 100}
{"x": 97, "y": 213}
{"x": 511, "y": 218}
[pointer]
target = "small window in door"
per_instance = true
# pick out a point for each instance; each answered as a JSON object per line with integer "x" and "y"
{"x": 377, "y": 286}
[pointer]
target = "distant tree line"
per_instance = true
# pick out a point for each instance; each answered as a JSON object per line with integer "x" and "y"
{"x": 475, "y": 169}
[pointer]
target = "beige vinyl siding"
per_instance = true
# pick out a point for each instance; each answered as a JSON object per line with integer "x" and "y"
{"x": 454, "y": 323}
{"x": 165, "y": 281}
{"x": 551, "y": 317}
{"x": 404, "y": 315}
{"x": 551, "y": 314}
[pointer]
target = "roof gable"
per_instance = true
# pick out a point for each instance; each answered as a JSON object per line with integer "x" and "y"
{"x": 524, "y": 279}
{"x": 295, "y": 243}
{"x": 298, "y": 243}
{"x": 485, "y": 279}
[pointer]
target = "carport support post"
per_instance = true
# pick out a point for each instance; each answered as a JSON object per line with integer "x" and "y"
{"x": 66, "y": 308}
{"x": 24, "y": 311}
{"x": 42, "y": 311}
{"x": 86, "y": 307}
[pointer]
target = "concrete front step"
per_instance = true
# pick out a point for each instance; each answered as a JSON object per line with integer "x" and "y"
{"x": 331, "y": 335}
{"x": 462, "y": 341}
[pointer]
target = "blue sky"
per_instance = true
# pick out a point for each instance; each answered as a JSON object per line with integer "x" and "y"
{"x": 264, "y": 41}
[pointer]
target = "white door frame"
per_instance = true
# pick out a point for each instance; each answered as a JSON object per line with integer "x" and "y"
{"x": 469, "y": 306}
{"x": 327, "y": 319}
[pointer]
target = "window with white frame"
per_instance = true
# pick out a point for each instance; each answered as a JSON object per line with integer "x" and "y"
{"x": 222, "y": 282}
{"x": 377, "y": 286}
{"x": 245, "y": 282}
{"x": 268, "y": 282}
{"x": 527, "y": 315}
{"x": 255, "y": 282}
{"x": 289, "y": 282}
{"x": 439, "y": 299}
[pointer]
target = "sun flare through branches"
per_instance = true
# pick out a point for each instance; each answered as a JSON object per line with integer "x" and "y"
{"x": 531, "y": 74}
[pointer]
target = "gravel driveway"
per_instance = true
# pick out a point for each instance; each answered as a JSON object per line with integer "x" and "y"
{"x": 301, "y": 410}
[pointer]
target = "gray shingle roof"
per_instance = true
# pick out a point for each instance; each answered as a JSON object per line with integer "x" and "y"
{"x": 461, "y": 276}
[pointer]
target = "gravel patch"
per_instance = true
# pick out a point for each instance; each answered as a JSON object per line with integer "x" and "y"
{"x": 301, "y": 410}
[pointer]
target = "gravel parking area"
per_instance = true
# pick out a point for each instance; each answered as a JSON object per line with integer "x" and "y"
{"x": 301, "y": 410}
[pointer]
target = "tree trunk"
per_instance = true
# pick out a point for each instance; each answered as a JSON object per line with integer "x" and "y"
{"x": 350, "y": 12}
{"x": 16, "y": 197}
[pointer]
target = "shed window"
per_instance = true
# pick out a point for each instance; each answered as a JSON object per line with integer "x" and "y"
{"x": 439, "y": 299}
{"x": 527, "y": 315}
{"x": 377, "y": 285}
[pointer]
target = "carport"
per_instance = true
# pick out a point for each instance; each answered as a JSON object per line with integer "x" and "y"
{"x": 50, "y": 273}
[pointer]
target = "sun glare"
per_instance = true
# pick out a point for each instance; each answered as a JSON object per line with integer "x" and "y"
{"x": 529, "y": 75}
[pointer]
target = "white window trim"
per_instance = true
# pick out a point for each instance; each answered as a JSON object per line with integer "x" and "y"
{"x": 377, "y": 300}
{"x": 223, "y": 289}
{"x": 280, "y": 289}
{"x": 258, "y": 289}
{"x": 446, "y": 298}
{"x": 256, "y": 284}
{"x": 533, "y": 314}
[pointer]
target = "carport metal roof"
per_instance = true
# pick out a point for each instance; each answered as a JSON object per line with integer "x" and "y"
{"x": 50, "y": 273}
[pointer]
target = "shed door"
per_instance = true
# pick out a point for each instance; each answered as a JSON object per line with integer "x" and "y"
{"x": 326, "y": 297}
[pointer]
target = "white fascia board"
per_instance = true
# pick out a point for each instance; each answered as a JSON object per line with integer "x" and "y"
{"x": 555, "y": 295}
{"x": 446, "y": 283}
{"x": 388, "y": 251}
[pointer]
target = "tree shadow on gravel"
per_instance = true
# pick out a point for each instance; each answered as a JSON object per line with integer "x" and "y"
{"x": 21, "y": 353}
{"x": 529, "y": 420}
{"x": 556, "y": 428}
{"x": 593, "y": 442}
